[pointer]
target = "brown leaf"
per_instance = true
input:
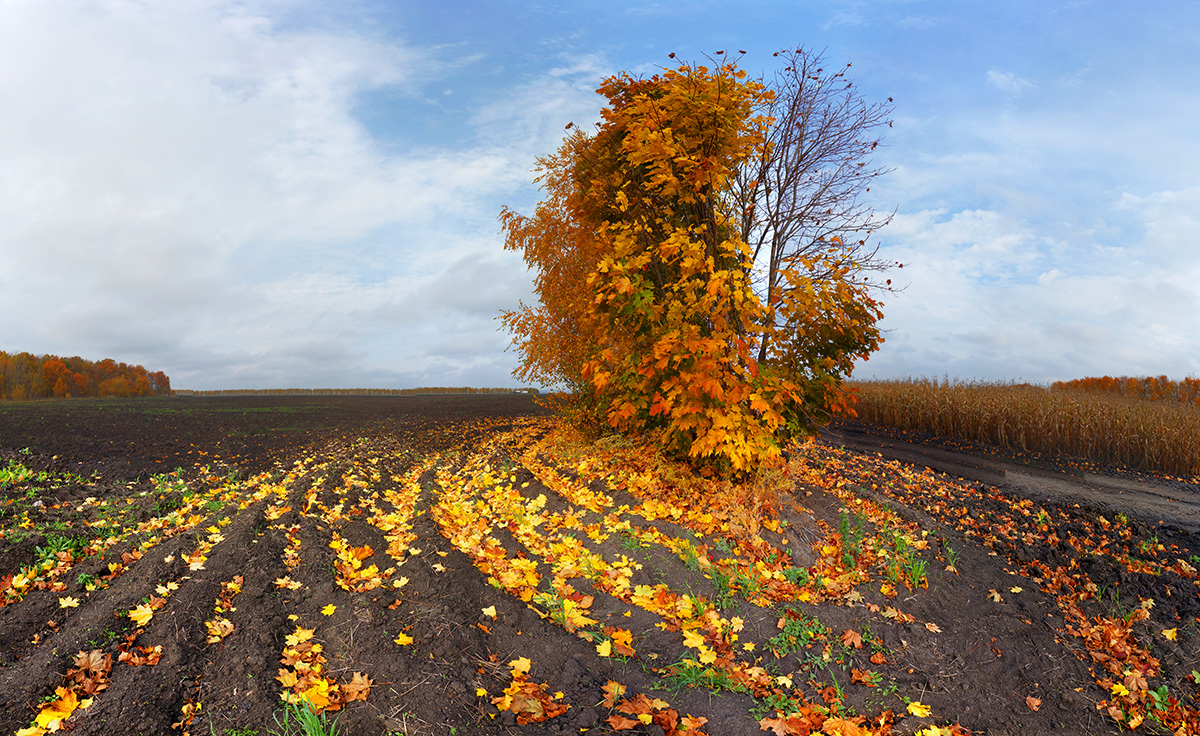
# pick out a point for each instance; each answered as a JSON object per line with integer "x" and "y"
{"x": 878, "y": 658}
{"x": 852, "y": 639}
{"x": 1033, "y": 702}
{"x": 778, "y": 725}
{"x": 358, "y": 688}
{"x": 622, "y": 723}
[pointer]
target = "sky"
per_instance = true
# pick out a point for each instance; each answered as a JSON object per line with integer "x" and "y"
{"x": 268, "y": 194}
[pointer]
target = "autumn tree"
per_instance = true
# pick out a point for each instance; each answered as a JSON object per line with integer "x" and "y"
{"x": 802, "y": 203}
{"x": 648, "y": 306}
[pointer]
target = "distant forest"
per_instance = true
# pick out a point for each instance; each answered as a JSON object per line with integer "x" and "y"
{"x": 25, "y": 376}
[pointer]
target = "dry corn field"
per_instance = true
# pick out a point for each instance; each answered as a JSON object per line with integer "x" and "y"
{"x": 1158, "y": 436}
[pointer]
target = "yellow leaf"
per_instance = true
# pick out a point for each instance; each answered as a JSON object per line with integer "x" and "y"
{"x": 403, "y": 639}
{"x": 604, "y": 648}
{"x": 1170, "y": 633}
{"x": 918, "y": 709}
{"x": 299, "y": 636}
{"x": 72, "y": 602}
{"x": 521, "y": 664}
{"x": 328, "y": 610}
{"x": 480, "y": 692}
{"x": 141, "y": 614}
{"x": 490, "y": 612}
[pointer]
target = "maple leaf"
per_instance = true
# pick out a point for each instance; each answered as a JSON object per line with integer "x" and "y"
{"x": 1170, "y": 633}
{"x": 358, "y": 688}
{"x": 52, "y": 716}
{"x": 520, "y": 665}
{"x": 878, "y": 658}
{"x": 403, "y": 639}
{"x": 329, "y": 609}
{"x": 918, "y": 709}
{"x": 141, "y": 614}
{"x": 490, "y": 612}
{"x": 934, "y": 628}
{"x": 622, "y": 723}
{"x": 299, "y": 636}
{"x": 1032, "y": 702}
{"x": 995, "y": 596}
{"x": 862, "y": 677}
{"x": 218, "y": 629}
{"x": 68, "y": 602}
{"x": 623, "y": 642}
{"x": 842, "y": 727}
{"x": 781, "y": 726}
{"x": 604, "y": 648}
{"x": 852, "y": 639}
{"x": 612, "y": 690}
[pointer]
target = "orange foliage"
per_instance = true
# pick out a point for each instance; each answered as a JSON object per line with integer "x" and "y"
{"x": 648, "y": 309}
{"x": 26, "y": 376}
{"x": 1149, "y": 388}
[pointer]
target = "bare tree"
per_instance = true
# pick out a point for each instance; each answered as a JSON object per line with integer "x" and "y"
{"x": 807, "y": 187}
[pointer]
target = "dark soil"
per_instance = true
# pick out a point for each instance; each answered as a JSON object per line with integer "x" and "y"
{"x": 972, "y": 659}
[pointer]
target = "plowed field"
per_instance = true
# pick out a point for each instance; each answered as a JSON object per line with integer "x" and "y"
{"x": 465, "y": 565}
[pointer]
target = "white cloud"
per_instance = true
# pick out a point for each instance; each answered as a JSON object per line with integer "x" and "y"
{"x": 989, "y": 297}
{"x": 1008, "y": 82}
{"x": 187, "y": 185}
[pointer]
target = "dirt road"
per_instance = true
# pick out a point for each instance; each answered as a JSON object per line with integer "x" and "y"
{"x": 1171, "y": 502}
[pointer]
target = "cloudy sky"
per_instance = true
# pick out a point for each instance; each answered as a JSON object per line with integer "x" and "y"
{"x": 270, "y": 193}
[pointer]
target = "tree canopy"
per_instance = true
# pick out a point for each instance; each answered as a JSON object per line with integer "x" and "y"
{"x": 653, "y": 310}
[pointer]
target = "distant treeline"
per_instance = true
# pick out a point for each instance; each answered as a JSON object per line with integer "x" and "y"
{"x": 1150, "y": 388}
{"x": 25, "y": 376}
{"x": 353, "y": 391}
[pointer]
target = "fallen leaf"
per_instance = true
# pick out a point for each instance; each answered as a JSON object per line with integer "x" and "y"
{"x": 934, "y": 628}
{"x": 852, "y": 639}
{"x": 72, "y": 602}
{"x": 995, "y": 596}
{"x": 604, "y": 648}
{"x": 521, "y": 664}
{"x": 622, "y": 723}
{"x": 141, "y": 614}
{"x": 612, "y": 690}
{"x": 490, "y": 612}
{"x": 918, "y": 709}
{"x": 403, "y": 639}
{"x": 358, "y": 688}
{"x": 328, "y": 610}
{"x": 878, "y": 658}
{"x": 842, "y": 727}
{"x": 1169, "y": 633}
{"x": 1033, "y": 702}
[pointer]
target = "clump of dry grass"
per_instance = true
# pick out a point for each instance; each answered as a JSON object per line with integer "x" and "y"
{"x": 1148, "y": 435}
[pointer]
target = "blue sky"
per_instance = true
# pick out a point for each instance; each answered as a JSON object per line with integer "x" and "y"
{"x": 266, "y": 194}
